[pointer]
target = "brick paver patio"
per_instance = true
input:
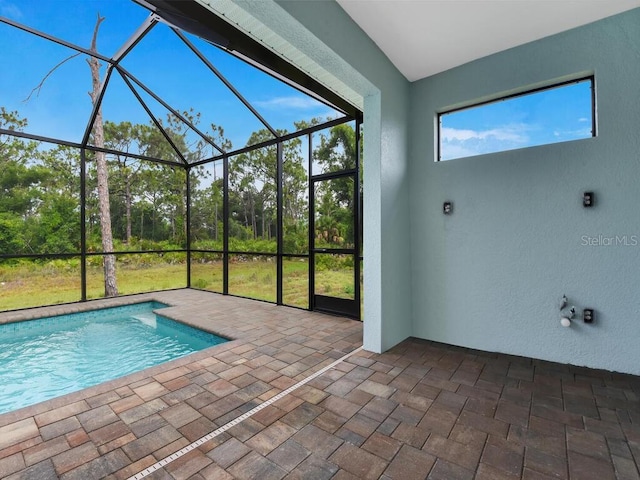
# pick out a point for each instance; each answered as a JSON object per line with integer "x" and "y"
{"x": 421, "y": 410}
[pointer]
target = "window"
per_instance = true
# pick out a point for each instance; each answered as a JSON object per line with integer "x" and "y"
{"x": 559, "y": 113}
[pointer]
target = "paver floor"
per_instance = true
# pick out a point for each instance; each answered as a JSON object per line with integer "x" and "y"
{"x": 421, "y": 410}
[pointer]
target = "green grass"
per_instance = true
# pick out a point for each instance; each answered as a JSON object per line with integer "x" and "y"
{"x": 30, "y": 284}
{"x": 36, "y": 285}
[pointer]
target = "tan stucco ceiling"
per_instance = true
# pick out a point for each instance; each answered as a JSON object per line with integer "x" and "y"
{"x": 425, "y": 37}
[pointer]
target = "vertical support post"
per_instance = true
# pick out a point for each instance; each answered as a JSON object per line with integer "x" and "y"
{"x": 83, "y": 225}
{"x": 279, "y": 222}
{"x": 188, "y": 225}
{"x": 225, "y": 225}
{"x": 357, "y": 219}
{"x": 311, "y": 223}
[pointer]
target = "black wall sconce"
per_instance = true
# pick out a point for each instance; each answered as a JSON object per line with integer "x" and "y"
{"x": 447, "y": 208}
{"x": 588, "y": 199}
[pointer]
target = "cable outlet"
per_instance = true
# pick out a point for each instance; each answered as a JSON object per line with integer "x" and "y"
{"x": 588, "y": 315}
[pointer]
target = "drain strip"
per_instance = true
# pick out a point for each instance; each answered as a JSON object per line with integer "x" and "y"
{"x": 174, "y": 456}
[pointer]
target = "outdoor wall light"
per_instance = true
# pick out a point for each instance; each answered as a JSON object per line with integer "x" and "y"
{"x": 447, "y": 208}
{"x": 588, "y": 199}
{"x": 566, "y": 316}
{"x": 567, "y": 313}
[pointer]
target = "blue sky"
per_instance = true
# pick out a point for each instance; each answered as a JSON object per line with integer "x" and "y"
{"x": 550, "y": 116}
{"x": 161, "y": 61}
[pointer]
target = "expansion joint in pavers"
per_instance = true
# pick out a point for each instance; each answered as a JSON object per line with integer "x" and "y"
{"x": 192, "y": 446}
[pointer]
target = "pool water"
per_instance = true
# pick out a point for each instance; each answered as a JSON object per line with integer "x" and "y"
{"x": 46, "y": 358}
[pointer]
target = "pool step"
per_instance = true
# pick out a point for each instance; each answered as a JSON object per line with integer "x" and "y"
{"x": 148, "y": 318}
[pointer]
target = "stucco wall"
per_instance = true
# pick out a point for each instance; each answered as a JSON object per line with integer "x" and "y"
{"x": 491, "y": 275}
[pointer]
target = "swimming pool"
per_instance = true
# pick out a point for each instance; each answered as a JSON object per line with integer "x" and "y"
{"x": 45, "y": 358}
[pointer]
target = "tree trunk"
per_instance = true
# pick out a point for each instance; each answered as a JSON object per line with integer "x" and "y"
{"x": 263, "y": 220}
{"x": 245, "y": 204}
{"x": 254, "y": 225}
{"x": 128, "y": 200}
{"x": 185, "y": 220}
{"x": 215, "y": 221}
{"x": 153, "y": 218}
{"x": 109, "y": 261}
{"x": 215, "y": 179}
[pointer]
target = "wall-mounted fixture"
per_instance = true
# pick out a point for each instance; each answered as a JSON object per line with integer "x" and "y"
{"x": 565, "y": 318}
{"x": 447, "y": 208}
{"x": 567, "y": 313}
{"x": 588, "y": 315}
{"x": 588, "y": 199}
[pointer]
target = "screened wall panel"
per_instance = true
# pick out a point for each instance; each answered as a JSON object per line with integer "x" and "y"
{"x": 122, "y": 18}
{"x": 207, "y": 271}
{"x": 170, "y": 71}
{"x": 282, "y": 106}
{"x": 132, "y": 131}
{"x": 334, "y": 275}
{"x": 95, "y": 277}
{"x": 193, "y": 141}
{"x": 334, "y": 213}
{"x": 150, "y": 272}
{"x": 147, "y": 202}
{"x": 138, "y": 158}
{"x": 39, "y": 195}
{"x": 295, "y": 282}
{"x": 295, "y": 192}
{"x": 207, "y": 206}
{"x": 334, "y": 149}
{"x": 252, "y": 201}
{"x": 139, "y": 273}
{"x": 253, "y": 276}
{"x": 25, "y": 61}
{"x": 27, "y": 283}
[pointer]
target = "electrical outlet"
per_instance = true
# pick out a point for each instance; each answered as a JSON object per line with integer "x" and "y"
{"x": 588, "y": 315}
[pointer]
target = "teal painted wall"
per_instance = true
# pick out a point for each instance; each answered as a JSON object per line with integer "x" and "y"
{"x": 326, "y": 34}
{"x": 491, "y": 275}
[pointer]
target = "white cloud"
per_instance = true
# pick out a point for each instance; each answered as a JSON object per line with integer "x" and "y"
{"x": 572, "y": 134}
{"x": 456, "y": 151}
{"x": 289, "y": 103}
{"x": 457, "y": 143}
{"x": 514, "y": 133}
{"x": 584, "y": 119}
{"x": 10, "y": 10}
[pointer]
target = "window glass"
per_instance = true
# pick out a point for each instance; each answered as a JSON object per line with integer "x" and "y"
{"x": 555, "y": 114}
